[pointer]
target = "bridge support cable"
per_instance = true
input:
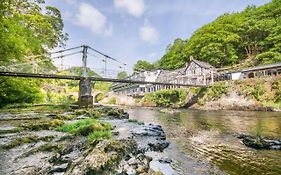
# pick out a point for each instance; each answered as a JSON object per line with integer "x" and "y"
{"x": 65, "y": 55}
{"x": 106, "y": 56}
{"x": 65, "y": 50}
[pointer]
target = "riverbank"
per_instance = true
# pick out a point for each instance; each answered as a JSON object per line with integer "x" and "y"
{"x": 102, "y": 140}
{"x": 259, "y": 94}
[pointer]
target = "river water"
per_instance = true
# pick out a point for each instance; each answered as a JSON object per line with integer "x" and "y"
{"x": 205, "y": 142}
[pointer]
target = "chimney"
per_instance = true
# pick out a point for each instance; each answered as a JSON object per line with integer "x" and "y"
{"x": 191, "y": 58}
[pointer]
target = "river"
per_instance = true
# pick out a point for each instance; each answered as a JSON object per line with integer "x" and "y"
{"x": 205, "y": 142}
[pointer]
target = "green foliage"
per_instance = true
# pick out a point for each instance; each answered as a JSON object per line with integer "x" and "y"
{"x": 99, "y": 97}
{"x": 21, "y": 141}
{"x": 278, "y": 97}
{"x": 166, "y": 98}
{"x": 143, "y": 65}
{"x": 96, "y": 135}
{"x": 42, "y": 125}
{"x": 26, "y": 28}
{"x": 231, "y": 39}
{"x": 19, "y": 90}
{"x": 93, "y": 113}
{"x": 102, "y": 86}
{"x": 122, "y": 75}
{"x": 269, "y": 57}
{"x": 175, "y": 56}
{"x": 61, "y": 99}
{"x": 256, "y": 91}
{"x": 85, "y": 127}
{"x": 112, "y": 100}
{"x": 213, "y": 92}
{"x": 49, "y": 147}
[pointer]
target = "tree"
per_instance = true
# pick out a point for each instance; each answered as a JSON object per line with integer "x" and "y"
{"x": 122, "y": 75}
{"x": 143, "y": 65}
{"x": 175, "y": 56}
{"x": 27, "y": 29}
{"x": 232, "y": 39}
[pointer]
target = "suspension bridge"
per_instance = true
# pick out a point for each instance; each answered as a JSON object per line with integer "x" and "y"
{"x": 41, "y": 66}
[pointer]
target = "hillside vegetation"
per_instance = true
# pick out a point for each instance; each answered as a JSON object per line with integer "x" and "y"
{"x": 250, "y": 37}
{"x": 253, "y": 94}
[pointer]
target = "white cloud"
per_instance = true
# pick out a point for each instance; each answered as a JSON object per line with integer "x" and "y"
{"x": 92, "y": 18}
{"x": 148, "y": 33}
{"x": 133, "y": 7}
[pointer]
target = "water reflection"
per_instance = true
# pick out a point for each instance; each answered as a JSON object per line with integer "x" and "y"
{"x": 213, "y": 137}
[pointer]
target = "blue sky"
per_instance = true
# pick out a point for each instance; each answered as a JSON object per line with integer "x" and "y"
{"x": 129, "y": 30}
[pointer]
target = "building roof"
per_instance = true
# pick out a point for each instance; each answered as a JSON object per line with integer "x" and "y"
{"x": 266, "y": 66}
{"x": 203, "y": 64}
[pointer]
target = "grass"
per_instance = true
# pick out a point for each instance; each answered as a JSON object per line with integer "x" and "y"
{"x": 99, "y": 135}
{"x": 88, "y": 127}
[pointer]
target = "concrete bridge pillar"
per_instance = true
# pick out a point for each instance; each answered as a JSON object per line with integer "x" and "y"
{"x": 85, "y": 98}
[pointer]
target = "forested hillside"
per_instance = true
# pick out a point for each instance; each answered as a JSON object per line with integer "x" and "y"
{"x": 250, "y": 37}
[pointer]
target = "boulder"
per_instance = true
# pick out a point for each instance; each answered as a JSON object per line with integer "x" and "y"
{"x": 158, "y": 146}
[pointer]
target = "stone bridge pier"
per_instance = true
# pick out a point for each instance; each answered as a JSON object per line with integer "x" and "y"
{"x": 85, "y": 98}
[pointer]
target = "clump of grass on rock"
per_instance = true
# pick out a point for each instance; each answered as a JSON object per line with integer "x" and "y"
{"x": 88, "y": 127}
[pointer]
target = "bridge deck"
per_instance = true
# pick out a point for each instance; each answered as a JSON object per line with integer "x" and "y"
{"x": 66, "y": 77}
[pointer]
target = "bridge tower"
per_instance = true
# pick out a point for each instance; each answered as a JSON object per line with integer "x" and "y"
{"x": 85, "y": 98}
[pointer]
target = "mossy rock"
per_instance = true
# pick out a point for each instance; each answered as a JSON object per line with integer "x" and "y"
{"x": 104, "y": 158}
{"x": 91, "y": 128}
{"x": 255, "y": 142}
{"x": 93, "y": 113}
{"x": 43, "y": 125}
{"x": 21, "y": 141}
{"x": 64, "y": 117}
{"x": 18, "y": 129}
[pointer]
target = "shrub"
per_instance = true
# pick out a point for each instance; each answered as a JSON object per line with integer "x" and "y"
{"x": 99, "y": 97}
{"x": 254, "y": 90}
{"x": 15, "y": 90}
{"x": 213, "y": 92}
{"x": 166, "y": 98}
{"x": 112, "y": 100}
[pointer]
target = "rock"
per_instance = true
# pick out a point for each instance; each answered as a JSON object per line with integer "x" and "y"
{"x": 130, "y": 171}
{"x": 115, "y": 133}
{"x": 102, "y": 159}
{"x": 150, "y": 130}
{"x": 255, "y": 142}
{"x": 159, "y": 146}
{"x": 51, "y": 115}
{"x": 59, "y": 168}
{"x": 125, "y": 115}
{"x": 165, "y": 160}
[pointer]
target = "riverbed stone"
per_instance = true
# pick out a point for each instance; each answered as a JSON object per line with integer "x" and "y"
{"x": 159, "y": 146}
{"x": 102, "y": 159}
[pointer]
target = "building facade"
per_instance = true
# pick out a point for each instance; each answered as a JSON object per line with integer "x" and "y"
{"x": 254, "y": 72}
{"x": 195, "y": 73}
